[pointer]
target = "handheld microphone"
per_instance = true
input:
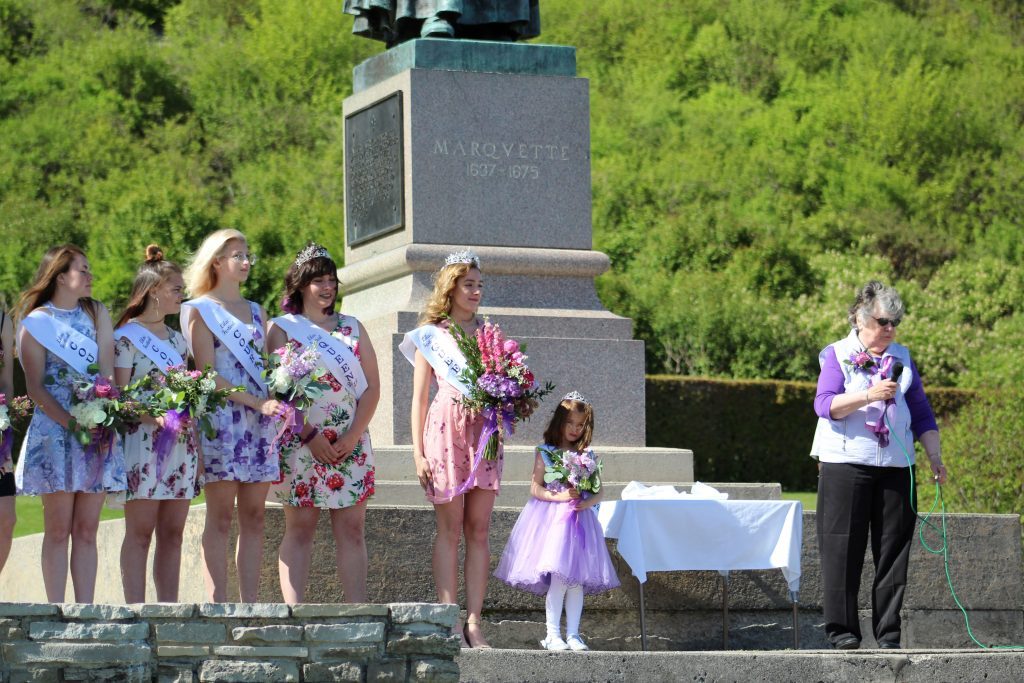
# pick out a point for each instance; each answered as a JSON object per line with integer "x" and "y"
{"x": 897, "y": 371}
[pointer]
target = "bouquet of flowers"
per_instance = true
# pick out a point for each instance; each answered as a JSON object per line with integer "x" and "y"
{"x": 502, "y": 386}
{"x": 98, "y": 409}
{"x": 580, "y": 470}
{"x": 12, "y": 416}
{"x": 296, "y": 378}
{"x": 180, "y": 396}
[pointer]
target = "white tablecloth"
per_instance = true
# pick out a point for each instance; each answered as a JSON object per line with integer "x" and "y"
{"x": 670, "y": 535}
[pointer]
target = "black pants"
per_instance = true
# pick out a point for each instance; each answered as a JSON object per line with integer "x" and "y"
{"x": 851, "y": 500}
{"x": 7, "y": 485}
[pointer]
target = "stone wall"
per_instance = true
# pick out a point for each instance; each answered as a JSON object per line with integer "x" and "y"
{"x": 227, "y": 642}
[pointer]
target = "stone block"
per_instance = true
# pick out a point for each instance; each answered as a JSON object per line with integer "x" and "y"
{"x": 191, "y": 632}
{"x": 345, "y": 671}
{"x": 369, "y": 632}
{"x": 36, "y": 675}
{"x": 261, "y": 652}
{"x": 165, "y": 610}
{"x": 28, "y": 609}
{"x": 266, "y": 634}
{"x": 330, "y": 610}
{"x": 175, "y": 674}
{"x": 75, "y": 610}
{"x": 51, "y": 630}
{"x": 411, "y": 612}
{"x": 76, "y": 654}
{"x": 354, "y": 653}
{"x": 429, "y": 644}
{"x": 387, "y": 671}
{"x": 235, "y": 610}
{"x": 123, "y": 674}
{"x": 248, "y": 672}
{"x": 182, "y": 650}
{"x": 434, "y": 671}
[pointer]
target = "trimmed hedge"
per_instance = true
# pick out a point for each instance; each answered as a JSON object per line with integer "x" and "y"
{"x": 750, "y": 430}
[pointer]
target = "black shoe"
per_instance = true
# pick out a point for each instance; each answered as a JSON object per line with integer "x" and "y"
{"x": 849, "y": 642}
{"x": 888, "y": 645}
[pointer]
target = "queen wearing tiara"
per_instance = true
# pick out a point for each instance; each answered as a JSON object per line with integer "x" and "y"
{"x": 328, "y": 463}
{"x": 444, "y": 437}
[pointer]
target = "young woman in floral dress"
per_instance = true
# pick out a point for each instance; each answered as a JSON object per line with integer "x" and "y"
{"x": 328, "y": 465}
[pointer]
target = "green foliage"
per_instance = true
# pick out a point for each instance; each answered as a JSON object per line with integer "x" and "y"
{"x": 758, "y": 430}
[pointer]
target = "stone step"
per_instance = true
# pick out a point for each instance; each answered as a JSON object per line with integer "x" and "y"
{"x": 514, "y": 494}
{"x": 954, "y": 666}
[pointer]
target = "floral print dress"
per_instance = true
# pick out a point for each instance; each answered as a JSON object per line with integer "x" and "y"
{"x": 308, "y": 483}
{"x": 150, "y": 477}
{"x": 51, "y": 459}
{"x": 241, "y": 449}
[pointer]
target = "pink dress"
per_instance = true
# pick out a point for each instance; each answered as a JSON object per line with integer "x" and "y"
{"x": 449, "y": 445}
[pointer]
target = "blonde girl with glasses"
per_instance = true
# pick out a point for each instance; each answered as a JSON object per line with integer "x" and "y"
{"x": 227, "y": 331}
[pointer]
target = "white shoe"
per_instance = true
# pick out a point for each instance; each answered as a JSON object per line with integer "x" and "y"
{"x": 575, "y": 643}
{"x": 554, "y": 643}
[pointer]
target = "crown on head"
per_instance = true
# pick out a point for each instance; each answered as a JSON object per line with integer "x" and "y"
{"x": 464, "y": 256}
{"x": 575, "y": 396}
{"x": 312, "y": 251}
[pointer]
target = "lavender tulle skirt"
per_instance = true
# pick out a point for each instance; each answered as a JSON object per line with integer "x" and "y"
{"x": 552, "y": 538}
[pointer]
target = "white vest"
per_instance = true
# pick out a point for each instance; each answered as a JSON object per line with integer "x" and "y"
{"x": 849, "y": 440}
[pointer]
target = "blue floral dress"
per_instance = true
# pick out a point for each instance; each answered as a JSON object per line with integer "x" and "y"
{"x": 241, "y": 450}
{"x": 51, "y": 459}
{"x": 308, "y": 483}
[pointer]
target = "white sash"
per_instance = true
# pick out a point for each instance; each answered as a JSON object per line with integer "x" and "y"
{"x": 156, "y": 349}
{"x": 62, "y": 340}
{"x": 337, "y": 356}
{"x": 231, "y": 331}
{"x": 440, "y": 350}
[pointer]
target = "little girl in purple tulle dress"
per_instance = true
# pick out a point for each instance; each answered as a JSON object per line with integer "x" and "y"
{"x": 557, "y": 546}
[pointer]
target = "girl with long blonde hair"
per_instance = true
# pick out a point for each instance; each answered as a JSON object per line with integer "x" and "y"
{"x": 227, "y": 331}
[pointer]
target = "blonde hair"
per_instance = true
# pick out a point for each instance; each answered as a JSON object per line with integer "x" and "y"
{"x": 199, "y": 275}
{"x": 439, "y": 304}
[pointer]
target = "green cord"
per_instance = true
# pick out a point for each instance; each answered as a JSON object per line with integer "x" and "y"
{"x": 926, "y": 523}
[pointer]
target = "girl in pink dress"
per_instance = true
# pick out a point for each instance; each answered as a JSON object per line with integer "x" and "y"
{"x": 444, "y": 436}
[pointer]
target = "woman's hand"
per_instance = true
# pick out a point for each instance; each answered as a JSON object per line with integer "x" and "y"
{"x": 345, "y": 445}
{"x": 882, "y": 391}
{"x": 938, "y": 469}
{"x": 322, "y": 450}
{"x": 272, "y": 408}
{"x": 423, "y": 472}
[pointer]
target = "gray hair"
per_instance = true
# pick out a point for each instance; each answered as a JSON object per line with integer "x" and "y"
{"x": 875, "y": 295}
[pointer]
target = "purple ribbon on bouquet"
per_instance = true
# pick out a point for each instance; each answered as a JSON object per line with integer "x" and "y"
{"x": 97, "y": 452}
{"x": 879, "y": 412}
{"x": 491, "y": 416}
{"x": 291, "y": 419}
{"x": 175, "y": 422}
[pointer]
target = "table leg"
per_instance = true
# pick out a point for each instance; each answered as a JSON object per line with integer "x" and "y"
{"x": 796, "y": 620}
{"x": 725, "y": 610}
{"x": 643, "y": 620}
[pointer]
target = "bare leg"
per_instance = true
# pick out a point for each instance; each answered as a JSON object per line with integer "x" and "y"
{"x": 84, "y": 525}
{"x": 296, "y": 552}
{"x": 220, "y": 506}
{"x": 140, "y": 517}
{"x": 8, "y": 517}
{"x": 446, "y": 555}
{"x": 477, "y": 527}
{"x": 58, "y": 511}
{"x": 252, "y": 499}
{"x": 348, "y": 525}
{"x": 167, "y": 559}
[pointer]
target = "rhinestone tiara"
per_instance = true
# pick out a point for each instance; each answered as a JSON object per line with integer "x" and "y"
{"x": 575, "y": 396}
{"x": 464, "y": 256}
{"x": 312, "y": 251}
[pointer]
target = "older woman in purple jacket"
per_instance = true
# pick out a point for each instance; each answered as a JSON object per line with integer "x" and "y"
{"x": 871, "y": 406}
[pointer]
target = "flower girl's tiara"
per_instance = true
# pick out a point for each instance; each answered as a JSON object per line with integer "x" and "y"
{"x": 464, "y": 256}
{"x": 312, "y": 251}
{"x": 575, "y": 396}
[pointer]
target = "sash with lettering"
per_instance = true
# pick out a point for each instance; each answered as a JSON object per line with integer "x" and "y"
{"x": 156, "y": 349}
{"x": 339, "y": 359}
{"x": 231, "y": 331}
{"x": 440, "y": 350}
{"x": 62, "y": 340}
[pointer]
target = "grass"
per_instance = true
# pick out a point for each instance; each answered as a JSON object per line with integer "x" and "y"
{"x": 30, "y": 514}
{"x": 808, "y": 498}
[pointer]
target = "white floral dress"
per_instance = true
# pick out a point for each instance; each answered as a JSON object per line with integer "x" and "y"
{"x": 150, "y": 477}
{"x": 304, "y": 481}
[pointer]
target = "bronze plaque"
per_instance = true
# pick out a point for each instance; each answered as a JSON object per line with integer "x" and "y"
{"x": 374, "y": 187}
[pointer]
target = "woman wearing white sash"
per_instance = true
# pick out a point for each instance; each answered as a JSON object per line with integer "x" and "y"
{"x": 68, "y": 329}
{"x": 159, "y": 488}
{"x": 444, "y": 438}
{"x": 238, "y": 462}
{"x": 8, "y": 516}
{"x": 329, "y": 465}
